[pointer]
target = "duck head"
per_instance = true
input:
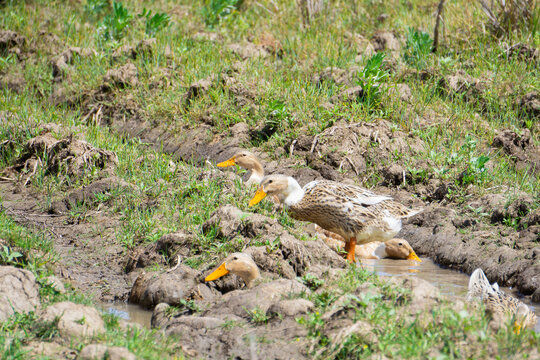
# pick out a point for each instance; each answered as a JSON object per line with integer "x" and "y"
{"x": 242, "y": 158}
{"x": 283, "y": 187}
{"x": 248, "y": 161}
{"x": 521, "y": 318}
{"x": 239, "y": 264}
{"x": 400, "y": 249}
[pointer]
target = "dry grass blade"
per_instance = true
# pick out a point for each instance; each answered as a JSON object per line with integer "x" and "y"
{"x": 506, "y": 16}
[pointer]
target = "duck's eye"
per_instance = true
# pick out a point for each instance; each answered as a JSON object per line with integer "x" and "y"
{"x": 269, "y": 181}
{"x": 400, "y": 244}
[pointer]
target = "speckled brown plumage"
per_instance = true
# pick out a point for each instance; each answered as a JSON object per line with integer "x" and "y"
{"x": 355, "y": 213}
{"x": 497, "y": 302}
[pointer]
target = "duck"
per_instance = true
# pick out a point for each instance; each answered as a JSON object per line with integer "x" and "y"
{"x": 396, "y": 248}
{"x": 498, "y": 303}
{"x": 356, "y": 214}
{"x": 248, "y": 161}
{"x": 239, "y": 264}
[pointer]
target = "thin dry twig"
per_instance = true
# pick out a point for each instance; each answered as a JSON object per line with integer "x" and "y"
{"x": 437, "y": 23}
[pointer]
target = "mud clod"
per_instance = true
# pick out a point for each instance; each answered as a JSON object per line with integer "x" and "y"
{"x": 520, "y": 148}
{"x": 199, "y": 88}
{"x": 11, "y": 42}
{"x": 462, "y": 84}
{"x": 67, "y": 156}
{"x": 248, "y": 51}
{"x": 122, "y": 77}
{"x": 88, "y": 194}
{"x": 385, "y": 40}
{"x": 530, "y": 104}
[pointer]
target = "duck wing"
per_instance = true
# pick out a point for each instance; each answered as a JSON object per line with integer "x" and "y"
{"x": 336, "y": 208}
{"x": 352, "y": 192}
{"x": 495, "y": 299}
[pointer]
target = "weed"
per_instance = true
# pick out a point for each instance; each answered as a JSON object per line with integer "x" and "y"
{"x": 9, "y": 257}
{"x": 154, "y": 23}
{"x": 417, "y": 48}
{"x": 257, "y": 316}
{"x": 96, "y": 7}
{"x": 312, "y": 281}
{"x": 214, "y": 11}
{"x": 370, "y": 80}
{"x": 114, "y": 25}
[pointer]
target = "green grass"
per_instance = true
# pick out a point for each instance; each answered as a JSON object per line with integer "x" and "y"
{"x": 169, "y": 195}
{"x": 437, "y": 332}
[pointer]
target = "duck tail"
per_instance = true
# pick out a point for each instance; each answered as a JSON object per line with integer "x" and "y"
{"x": 412, "y": 212}
{"x": 479, "y": 286}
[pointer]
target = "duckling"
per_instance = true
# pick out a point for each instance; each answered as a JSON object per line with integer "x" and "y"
{"x": 390, "y": 249}
{"x": 239, "y": 264}
{"x": 498, "y": 303}
{"x": 248, "y": 161}
{"x": 354, "y": 213}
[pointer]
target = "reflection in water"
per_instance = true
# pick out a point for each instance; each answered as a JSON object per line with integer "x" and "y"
{"x": 130, "y": 312}
{"x": 449, "y": 282}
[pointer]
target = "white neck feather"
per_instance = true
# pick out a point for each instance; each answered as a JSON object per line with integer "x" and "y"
{"x": 255, "y": 178}
{"x": 380, "y": 251}
{"x": 294, "y": 192}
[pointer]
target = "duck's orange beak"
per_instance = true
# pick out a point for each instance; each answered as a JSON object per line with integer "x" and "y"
{"x": 259, "y": 195}
{"x": 227, "y": 163}
{"x": 219, "y": 272}
{"x": 413, "y": 256}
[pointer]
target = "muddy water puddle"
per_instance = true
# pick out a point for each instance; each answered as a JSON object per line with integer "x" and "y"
{"x": 449, "y": 282}
{"x": 130, "y": 312}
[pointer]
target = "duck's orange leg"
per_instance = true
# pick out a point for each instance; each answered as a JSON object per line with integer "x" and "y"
{"x": 350, "y": 247}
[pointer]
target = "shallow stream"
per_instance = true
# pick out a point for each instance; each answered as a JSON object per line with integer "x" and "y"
{"x": 450, "y": 282}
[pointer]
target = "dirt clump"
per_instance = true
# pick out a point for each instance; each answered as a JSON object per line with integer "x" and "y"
{"x": 68, "y": 156}
{"x": 63, "y": 61}
{"x": 13, "y": 82}
{"x": 88, "y": 194}
{"x": 350, "y": 147}
{"x": 523, "y": 52}
{"x": 520, "y": 147}
{"x": 143, "y": 48}
{"x": 165, "y": 251}
{"x": 121, "y": 77}
{"x": 338, "y": 76}
{"x": 530, "y": 104}
{"x": 385, "y": 40}
{"x": 182, "y": 283}
{"x": 11, "y": 42}
{"x": 199, "y": 88}
{"x": 50, "y": 350}
{"x": 290, "y": 307}
{"x": 248, "y": 50}
{"x": 18, "y": 292}
{"x": 69, "y": 315}
{"x": 99, "y": 351}
{"x": 462, "y": 84}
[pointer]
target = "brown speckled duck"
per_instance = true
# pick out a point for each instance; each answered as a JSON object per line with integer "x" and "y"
{"x": 399, "y": 249}
{"x": 498, "y": 303}
{"x": 357, "y": 214}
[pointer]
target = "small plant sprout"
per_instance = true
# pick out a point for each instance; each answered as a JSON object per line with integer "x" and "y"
{"x": 370, "y": 80}
{"x": 154, "y": 23}
{"x": 417, "y": 48}
{"x": 114, "y": 26}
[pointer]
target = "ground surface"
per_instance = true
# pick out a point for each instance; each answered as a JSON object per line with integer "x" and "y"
{"x": 111, "y": 124}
